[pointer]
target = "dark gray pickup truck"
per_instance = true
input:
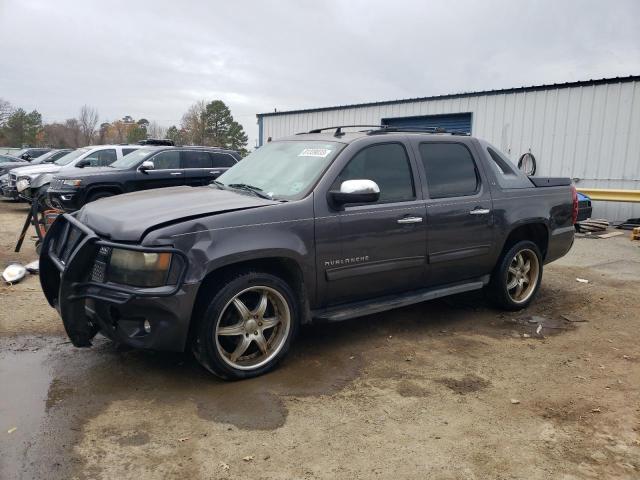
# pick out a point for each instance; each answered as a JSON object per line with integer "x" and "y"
{"x": 318, "y": 226}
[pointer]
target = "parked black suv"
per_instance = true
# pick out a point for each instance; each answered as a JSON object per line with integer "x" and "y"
{"x": 146, "y": 168}
{"x": 326, "y": 226}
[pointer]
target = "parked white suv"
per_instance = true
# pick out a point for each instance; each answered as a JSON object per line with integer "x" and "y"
{"x": 24, "y": 181}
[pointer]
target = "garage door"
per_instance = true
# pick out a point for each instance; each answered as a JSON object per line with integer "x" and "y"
{"x": 460, "y": 122}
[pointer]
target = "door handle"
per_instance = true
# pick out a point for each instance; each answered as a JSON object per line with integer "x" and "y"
{"x": 214, "y": 172}
{"x": 406, "y": 220}
{"x": 479, "y": 211}
{"x": 176, "y": 173}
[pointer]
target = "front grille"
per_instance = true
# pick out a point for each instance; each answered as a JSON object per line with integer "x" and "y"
{"x": 100, "y": 265}
{"x": 67, "y": 242}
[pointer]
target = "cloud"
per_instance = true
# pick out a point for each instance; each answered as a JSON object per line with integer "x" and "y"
{"x": 153, "y": 59}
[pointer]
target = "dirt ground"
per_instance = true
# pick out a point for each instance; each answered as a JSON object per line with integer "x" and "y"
{"x": 448, "y": 389}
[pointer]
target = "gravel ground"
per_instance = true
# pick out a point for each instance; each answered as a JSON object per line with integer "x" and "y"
{"x": 448, "y": 389}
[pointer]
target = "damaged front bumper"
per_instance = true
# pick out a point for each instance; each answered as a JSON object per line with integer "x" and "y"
{"x": 73, "y": 281}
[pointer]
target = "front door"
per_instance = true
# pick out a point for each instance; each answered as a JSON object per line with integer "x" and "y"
{"x": 459, "y": 213}
{"x": 374, "y": 249}
{"x": 167, "y": 172}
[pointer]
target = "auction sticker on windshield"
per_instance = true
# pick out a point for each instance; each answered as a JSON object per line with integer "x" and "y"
{"x": 315, "y": 152}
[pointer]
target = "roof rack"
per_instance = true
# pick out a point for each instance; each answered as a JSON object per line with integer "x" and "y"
{"x": 386, "y": 129}
{"x": 393, "y": 129}
{"x": 338, "y": 129}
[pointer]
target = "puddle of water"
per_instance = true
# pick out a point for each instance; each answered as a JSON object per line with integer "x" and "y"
{"x": 50, "y": 393}
{"x": 24, "y": 377}
{"x": 540, "y": 327}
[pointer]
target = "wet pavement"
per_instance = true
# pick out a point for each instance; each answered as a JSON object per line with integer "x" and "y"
{"x": 426, "y": 391}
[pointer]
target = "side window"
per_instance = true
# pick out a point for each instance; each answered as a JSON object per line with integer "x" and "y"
{"x": 388, "y": 166}
{"x": 107, "y": 157}
{"x": 167, "y": 160}
{"x": 102, "y": 158}
{"x": 195, "y": 159}
{"x": 450, "y": 170}
{"x": 222, "y": 160}
{"x": 127, "y": 151}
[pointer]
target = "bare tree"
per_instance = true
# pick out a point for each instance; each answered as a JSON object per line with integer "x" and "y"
{"x": 156, "y": 131}
{"x": 88, "y": 121}
{"x": 194, "y": 123}
{"x": 6, "y": 109}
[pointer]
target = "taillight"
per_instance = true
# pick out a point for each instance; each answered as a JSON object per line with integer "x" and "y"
{"x": 574, "y": 193}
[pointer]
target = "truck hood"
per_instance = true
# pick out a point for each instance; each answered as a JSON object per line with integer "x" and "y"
{"x": 129, "y": 217}
{"x": 34, "y": 170}
{"x": 6, "y": 166}
{"x": 75, "y": 172}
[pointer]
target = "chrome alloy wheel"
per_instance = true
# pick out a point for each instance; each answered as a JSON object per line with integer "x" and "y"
{"x": 523, "y": 275}
{"x": 253, "y": 327}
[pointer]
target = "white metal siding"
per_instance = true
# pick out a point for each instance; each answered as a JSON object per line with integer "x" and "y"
{"x": 587, "y": 132}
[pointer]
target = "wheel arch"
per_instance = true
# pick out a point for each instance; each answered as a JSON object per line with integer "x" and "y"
{"x": 107, "y": 188}
{"x": 283, "y": 266}
{"x": 535, "y": 230}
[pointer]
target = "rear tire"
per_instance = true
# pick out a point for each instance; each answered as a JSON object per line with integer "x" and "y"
{"x": 517, "y": 277}
{"x": 247, "y": 326}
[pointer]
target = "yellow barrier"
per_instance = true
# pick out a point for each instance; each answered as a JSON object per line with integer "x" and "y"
{"x": 611, "y": 195}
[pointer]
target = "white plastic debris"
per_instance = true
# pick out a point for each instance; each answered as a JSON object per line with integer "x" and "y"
{"x": 582, "y": 280}
{"x": 14, "y": 273}
{"x": 33, "y": 267}
{"x": 539, "y": 329}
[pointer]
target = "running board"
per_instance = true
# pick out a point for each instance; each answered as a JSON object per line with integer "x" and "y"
{"x": 382, "y": 304}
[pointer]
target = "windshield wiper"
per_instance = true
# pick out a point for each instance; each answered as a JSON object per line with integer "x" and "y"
{"x": 257, "y": 191}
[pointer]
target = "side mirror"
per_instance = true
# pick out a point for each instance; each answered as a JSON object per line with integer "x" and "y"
{"x": 355, "y": 191}
{"x": 83, "y": 163}
{"x": 26, "y": 156}
{"x": 146, "y": 165}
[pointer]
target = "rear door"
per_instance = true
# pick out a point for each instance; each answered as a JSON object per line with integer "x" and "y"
{"x": 460, "y": 231}
{"x": 197, "y": 165}
{"x": 221, "y": 163}
{"x": 167, "y": 171}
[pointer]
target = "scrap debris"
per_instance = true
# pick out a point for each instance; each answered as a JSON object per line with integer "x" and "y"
{"x": 14, "y": 273}
{"x": 33, "y": 267}
{"x": 630, "y": 224}
{"x": 582, "y": 280}
{"x": 592, "y": 225}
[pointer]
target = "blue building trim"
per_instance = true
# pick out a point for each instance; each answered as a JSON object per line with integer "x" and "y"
{"x": 260, "y": 132}
{"x": 460, "y": 122}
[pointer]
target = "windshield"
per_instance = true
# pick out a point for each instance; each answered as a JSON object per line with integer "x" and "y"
{"x": 132, "y": 160}
{"x": 71, "y": 156}
{"x": 283, "y": 170}
{"x": 19, "y": 152}
{"x": 43, "y": 158}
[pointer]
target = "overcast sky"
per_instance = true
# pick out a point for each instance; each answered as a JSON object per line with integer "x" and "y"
{"x": 153, "y": 59}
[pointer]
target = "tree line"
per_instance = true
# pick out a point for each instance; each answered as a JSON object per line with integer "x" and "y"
{"x": 209, "y": 124}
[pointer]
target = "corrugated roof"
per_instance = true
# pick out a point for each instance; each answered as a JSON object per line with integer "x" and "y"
{"x": 582, "y": 83}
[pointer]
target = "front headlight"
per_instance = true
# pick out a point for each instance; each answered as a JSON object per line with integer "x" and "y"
{"x": 72, "y": 183}
{"x": 138, "y": 269}
{"x": 22, "y": 184}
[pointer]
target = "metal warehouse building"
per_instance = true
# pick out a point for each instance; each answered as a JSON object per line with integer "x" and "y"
{"x": 588, "y": 130}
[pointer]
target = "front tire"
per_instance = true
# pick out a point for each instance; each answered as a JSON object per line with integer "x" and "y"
{"x": 516, "y": 279}
{"x": 247, "y": 326}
